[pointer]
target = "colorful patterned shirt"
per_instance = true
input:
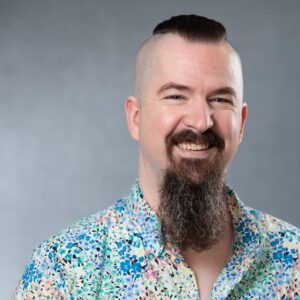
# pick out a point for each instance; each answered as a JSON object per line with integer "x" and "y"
{"x": 119, "y": 254}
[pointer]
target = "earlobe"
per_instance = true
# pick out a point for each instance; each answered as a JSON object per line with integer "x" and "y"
{"x": 132, "y": 109}
{"x": 244, "y": 114}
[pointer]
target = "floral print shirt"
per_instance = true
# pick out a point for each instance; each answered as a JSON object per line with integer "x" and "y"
{"x": 119, "y": 254}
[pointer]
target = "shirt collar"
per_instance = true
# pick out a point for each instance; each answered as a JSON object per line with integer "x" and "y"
{"x": 246, "y": 247}
{"x": 246, "y": 231}
{"x": 145, "y": 223}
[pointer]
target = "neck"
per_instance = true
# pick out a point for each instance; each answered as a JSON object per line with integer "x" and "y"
{"x": 208, "y": 264}
{"x": 149, "y": 184}
{"x": 217, "y": 254}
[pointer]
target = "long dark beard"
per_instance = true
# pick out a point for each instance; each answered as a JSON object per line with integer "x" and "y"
{"x": 193, "y": 211}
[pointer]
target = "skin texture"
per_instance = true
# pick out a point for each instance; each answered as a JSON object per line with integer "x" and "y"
{"x": 183, "y": 85}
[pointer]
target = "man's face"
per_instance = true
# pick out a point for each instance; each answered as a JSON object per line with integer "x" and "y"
{"x": 191, "y": 87}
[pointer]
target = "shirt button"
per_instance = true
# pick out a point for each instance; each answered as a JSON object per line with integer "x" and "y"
{"x": 150, "y": 255}
{"x": 177, "y": 261}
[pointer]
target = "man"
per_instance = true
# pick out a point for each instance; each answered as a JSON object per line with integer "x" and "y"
{"x": 181, "y": 233}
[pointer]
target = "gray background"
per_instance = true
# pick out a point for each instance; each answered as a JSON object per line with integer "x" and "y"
{"x": 65, "y": 69}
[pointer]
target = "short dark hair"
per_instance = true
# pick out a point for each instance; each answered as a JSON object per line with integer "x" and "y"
{"x": 193, "y": 28}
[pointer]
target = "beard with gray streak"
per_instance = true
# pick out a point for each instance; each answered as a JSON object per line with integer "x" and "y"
{"x": 193, "y": 210}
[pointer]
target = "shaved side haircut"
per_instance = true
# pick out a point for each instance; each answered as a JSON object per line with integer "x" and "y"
{"x": 192, "y": 28}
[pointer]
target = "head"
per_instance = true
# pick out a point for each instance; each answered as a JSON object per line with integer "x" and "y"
{"x": 188, "y": 116}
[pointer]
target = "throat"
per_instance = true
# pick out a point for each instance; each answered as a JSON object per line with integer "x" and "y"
{"x": 208, "y": 264}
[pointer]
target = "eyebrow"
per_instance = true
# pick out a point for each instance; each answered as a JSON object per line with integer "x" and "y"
{"x": 172, "y": 85}
{"x": 226, "y": 90}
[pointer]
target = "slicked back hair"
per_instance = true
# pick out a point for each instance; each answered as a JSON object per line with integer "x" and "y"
{"x": 193, "y": 28}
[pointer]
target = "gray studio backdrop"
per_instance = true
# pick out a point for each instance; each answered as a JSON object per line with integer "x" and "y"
{"x": 66, "y": 67}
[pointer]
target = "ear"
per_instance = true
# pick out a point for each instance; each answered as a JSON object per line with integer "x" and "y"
{"x": 132, "y": 111}
{"x": 244, "y": 114}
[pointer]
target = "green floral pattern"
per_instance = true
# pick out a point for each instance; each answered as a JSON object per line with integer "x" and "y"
{"x": 119, "y": 254}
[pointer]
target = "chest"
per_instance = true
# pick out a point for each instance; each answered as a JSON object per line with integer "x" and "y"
{"x": 130, "y": 271}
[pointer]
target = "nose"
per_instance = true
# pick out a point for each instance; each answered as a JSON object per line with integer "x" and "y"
{"x": 198, "y": 116}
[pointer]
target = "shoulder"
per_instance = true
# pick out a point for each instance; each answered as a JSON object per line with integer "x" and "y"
{"x": 279, "y": 237}
{"x": 76, "y": 251}
{"x": 269, "y": 225}
{"x": 87, "y": 234}
{"x": 79, "y": 246}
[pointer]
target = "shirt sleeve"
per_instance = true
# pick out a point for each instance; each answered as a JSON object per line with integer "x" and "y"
{"x": 43, "y": 278}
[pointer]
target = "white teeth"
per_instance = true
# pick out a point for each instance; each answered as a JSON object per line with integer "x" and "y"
{"x": 193, "y": 147}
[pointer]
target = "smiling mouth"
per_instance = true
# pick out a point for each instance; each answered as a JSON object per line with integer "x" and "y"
{"x": 193, "y": 147}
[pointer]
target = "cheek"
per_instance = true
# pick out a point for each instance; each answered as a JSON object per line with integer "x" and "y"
{"x": 149, "y": 127}
{"x": 158, "y": 123}
{"x": 228, "y": 125}
{"x": 151, "y": 132}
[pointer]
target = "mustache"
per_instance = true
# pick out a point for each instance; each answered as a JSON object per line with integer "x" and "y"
{"x": 188, "y": 136}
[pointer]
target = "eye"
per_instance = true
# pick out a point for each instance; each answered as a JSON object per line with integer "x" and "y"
{"x": 221, "y": 100}
{"x": 175, "y": 97}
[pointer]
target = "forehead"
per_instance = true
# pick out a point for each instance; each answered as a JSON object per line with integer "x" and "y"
{"x": 202, "y": 65}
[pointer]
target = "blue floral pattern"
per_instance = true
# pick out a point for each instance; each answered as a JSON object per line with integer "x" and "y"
{"x": 119, "y": 254}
